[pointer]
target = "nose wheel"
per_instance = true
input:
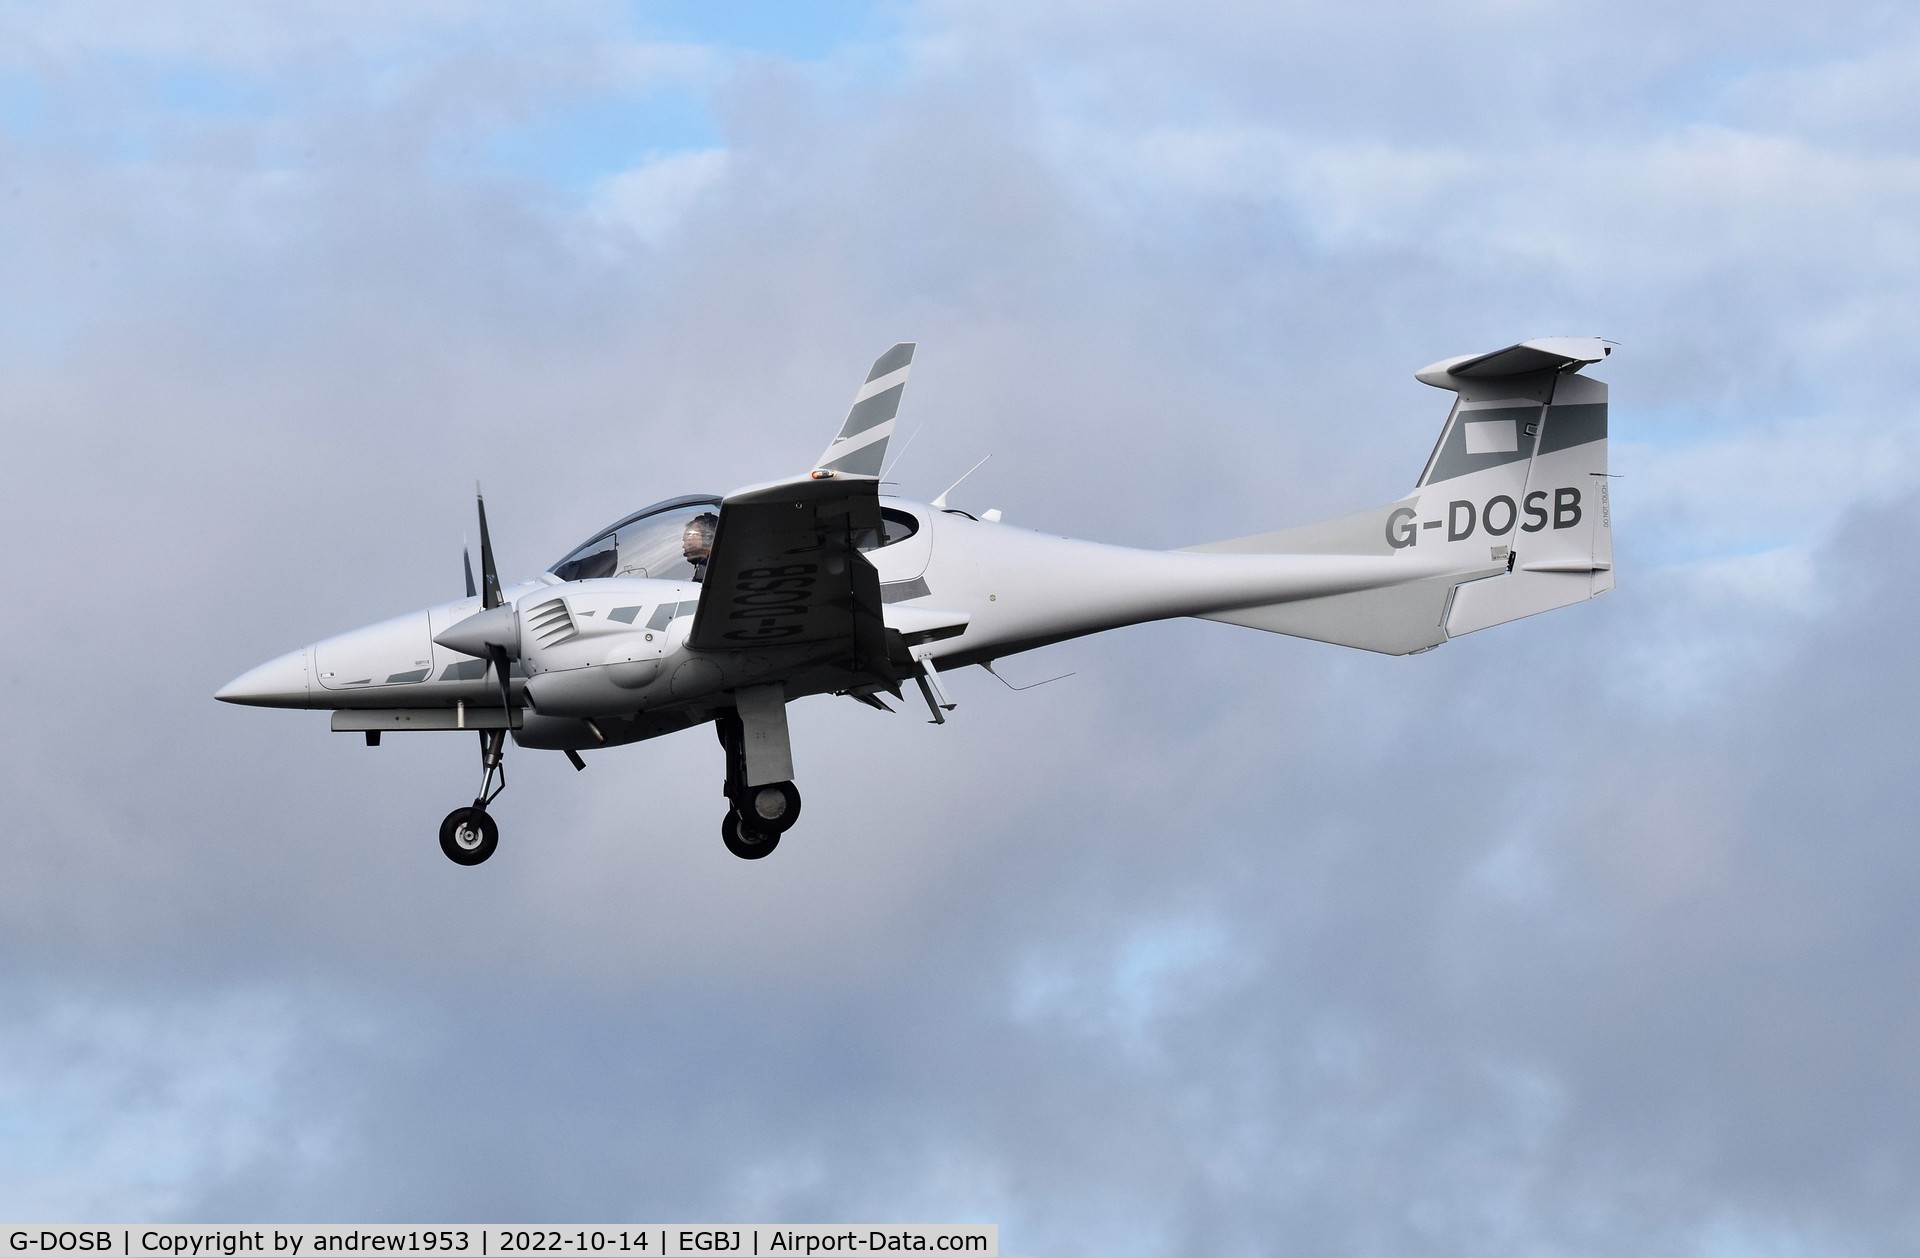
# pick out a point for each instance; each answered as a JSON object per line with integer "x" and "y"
{"x": 469, "y": 835}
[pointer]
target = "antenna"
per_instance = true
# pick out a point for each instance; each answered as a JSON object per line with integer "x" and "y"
{"x": 902, "y": 453}
{"x": 988, "y": 665}
{"x": 940, "y": 503}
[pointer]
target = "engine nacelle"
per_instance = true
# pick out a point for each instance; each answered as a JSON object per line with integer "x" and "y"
{"x": 591, "y": 648}
{"x": 598, "y": 690}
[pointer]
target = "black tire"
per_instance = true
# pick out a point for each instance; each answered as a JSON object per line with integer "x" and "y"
{"x": 772, "y": 808}
{"x": 465, "y": 841}
{"x": 746, "y": 842}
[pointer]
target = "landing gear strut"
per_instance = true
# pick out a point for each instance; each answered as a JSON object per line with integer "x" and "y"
{"x": 757, "y": 815}
{"x": 468, "y": 835}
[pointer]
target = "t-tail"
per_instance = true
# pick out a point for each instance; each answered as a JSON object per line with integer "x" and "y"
{"x": 1513, "y": 497}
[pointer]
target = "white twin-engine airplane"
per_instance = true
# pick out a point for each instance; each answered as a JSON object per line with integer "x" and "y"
{"x": 726, "y": 609}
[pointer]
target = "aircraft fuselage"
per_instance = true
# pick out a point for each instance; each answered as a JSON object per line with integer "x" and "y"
{"x": 610, "y": 650}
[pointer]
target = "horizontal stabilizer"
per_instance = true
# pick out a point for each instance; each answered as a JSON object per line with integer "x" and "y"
{"x": 1547, "y": 353}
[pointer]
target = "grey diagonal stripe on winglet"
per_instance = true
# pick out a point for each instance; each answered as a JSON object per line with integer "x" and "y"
{"x": 868, "y": 412}
{"x": 864, "y": 461}
{"x": 891, "y": 361}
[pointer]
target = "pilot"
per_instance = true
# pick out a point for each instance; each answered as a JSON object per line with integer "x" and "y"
{"x": 696, "y": 542}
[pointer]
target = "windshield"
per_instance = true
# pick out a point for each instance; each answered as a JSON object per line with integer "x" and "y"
{"x": 669, "y": 540}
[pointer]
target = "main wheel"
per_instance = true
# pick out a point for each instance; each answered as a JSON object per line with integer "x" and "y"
{"x": 746, "y": 842}
{"x": 468, "y": 837}
{"x": 773, "y": 807}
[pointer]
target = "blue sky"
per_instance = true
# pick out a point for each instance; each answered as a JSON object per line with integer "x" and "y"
{"x": 566, "y": 141}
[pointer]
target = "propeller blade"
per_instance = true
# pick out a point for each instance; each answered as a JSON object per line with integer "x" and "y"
{"x": 490, "y": 599}
{"x": 466, "y": 561}
{"x": 500, "y": 665}
{"x": 489, "y": 576}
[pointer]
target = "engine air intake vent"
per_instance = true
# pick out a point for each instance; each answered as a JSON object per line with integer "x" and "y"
{"x": 550, "y": 622}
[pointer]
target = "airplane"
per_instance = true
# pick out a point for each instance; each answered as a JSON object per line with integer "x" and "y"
{"x": 726, "y": 608}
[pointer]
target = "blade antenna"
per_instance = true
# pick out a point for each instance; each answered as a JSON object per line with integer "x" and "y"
{"x": 489, "y": 575}
{"x": 940, "y": 503}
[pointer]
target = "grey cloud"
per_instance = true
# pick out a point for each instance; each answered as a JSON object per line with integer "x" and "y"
{"x": 1551, "y": 941}
{"x": 1629, "y": 988}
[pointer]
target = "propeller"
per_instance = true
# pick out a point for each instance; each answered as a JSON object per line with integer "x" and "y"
{"x": 491, "y": 634}
{"x": 485, "y": 635}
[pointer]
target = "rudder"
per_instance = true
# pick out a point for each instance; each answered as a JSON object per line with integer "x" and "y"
{"x": 1562, "y": 537}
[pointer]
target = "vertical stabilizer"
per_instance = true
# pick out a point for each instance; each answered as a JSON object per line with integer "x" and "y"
{"x": 1510, "y": 516}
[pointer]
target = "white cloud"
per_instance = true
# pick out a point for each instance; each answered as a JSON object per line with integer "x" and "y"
{"x": 1854, "y": 102}
{"x": 649, "y": 202}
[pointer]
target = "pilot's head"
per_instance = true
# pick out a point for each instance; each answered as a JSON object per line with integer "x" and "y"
{"x": 696, "y": 541}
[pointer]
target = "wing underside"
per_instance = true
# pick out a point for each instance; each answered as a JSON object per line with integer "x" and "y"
{"x": 787, "y": 571}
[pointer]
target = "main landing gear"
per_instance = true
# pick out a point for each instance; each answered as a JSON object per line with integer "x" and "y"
{"x": 468, "y": 835}
{"x": 757, "y": 815}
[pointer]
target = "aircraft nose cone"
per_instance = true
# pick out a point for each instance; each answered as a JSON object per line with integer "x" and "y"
{"x": 279, "y": 683}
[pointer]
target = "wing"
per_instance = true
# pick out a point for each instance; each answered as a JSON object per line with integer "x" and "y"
{"x": 862, "y": 442}
{"x": 787, "y": 570}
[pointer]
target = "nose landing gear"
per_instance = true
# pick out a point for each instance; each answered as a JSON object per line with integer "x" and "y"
{"x": 468, "y": 835}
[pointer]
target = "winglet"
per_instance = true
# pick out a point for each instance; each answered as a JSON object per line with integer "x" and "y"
{"x": 862, "y": 444}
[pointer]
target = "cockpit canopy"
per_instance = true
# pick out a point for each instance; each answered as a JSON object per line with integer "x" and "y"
{"x": 653, "y": 542}
{"x": 648, "y": 543}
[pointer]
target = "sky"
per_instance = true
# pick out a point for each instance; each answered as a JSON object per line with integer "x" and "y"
{"x": 1585, "y": 935}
